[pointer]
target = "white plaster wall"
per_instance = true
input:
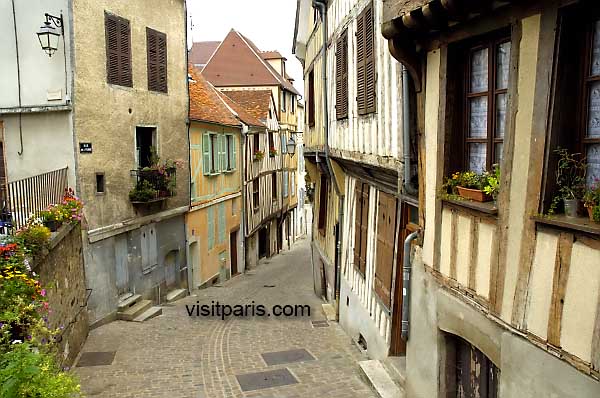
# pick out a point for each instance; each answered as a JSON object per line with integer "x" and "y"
{"x": 463, "y": 256}
{"x": 446, "y": 244}
{"x": 487, "y": 236}
{"x": 39, "y": 73}
{"x": 47, "y": 144}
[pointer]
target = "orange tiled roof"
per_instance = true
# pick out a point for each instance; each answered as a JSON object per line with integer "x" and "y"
{"x": 206, "y": 104}
{"x": 242, "y": 113}
{"x": 256, "y": 102}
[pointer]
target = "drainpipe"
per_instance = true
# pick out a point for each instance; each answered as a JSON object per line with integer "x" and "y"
{"x": 408, "y": 188}
{"x": 406, "y": 285}
{"x": 243, "y": 177}
{"x": 321, "y": 5}
{"x": 20, "y": 153}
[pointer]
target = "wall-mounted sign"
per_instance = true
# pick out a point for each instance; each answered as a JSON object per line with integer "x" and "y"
{"x": 85, "y": 147}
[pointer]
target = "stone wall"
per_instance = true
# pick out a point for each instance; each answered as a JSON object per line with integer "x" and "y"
{"x": 62, "y": 274}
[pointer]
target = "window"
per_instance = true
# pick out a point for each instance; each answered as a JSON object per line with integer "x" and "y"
{"x": 255, "y": 195}
{"x": 156, "y": 48}
{"x": 575, "y": 119}
{"x": 118, "y": 50}
{"x": 256, "y": 142}
{"x": 341, "y": 77}
{"x": 214, "y": 153}
{"x": 271, "y": 143}
{"x": 274, "y": 192}
{"x": 366, "y": 96}
{"x": 384, "y": 259}
{"x": 293, "y": 183}
{"x": 231, "y": 152}
{"x": 283, "y": 137}
{"x": 311, "y": 98}
{"x": 285, "y": 183}
{"x": 283, "y": 100}
{"x": 323, "y": 196}
{"x": 145, "y": 142}
{"x": 361, "y": 221}
{"x": 292, "y": 103}
{"x": 99, "y": 182}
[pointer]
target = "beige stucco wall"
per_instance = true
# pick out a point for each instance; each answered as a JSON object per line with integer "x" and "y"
{"x": 111, "y": 129}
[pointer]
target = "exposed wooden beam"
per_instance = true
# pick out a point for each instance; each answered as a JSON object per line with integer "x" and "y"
{"x": 435, "y": 15}
{"x": 403, "y": 49}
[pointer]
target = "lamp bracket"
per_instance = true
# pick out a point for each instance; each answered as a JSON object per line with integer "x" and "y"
{"x": 58, "y": 21}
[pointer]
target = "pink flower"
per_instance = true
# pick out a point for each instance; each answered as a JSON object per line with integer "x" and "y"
{"x": 43, "y": 292}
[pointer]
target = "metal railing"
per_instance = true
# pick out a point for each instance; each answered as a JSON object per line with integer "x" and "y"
{"x": 162, "y": 181}
{"x": 22, "y": 198}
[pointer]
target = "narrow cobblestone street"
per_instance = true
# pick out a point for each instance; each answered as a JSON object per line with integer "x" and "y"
{"x": 175, "y": 355}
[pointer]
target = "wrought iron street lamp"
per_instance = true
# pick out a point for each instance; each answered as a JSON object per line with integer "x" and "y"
{"x": 48, "y": 35}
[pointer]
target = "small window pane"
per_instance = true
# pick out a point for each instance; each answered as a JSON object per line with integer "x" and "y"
{"x": 479, "y": 71}
{"x": 478, "y": 117}
{"x": 593, "y": 160}
{"x": 594, "y": 111}
{"x": 477, "y": 157}
{"x": 500, "y": 115}
{"x": 596, "y": 51}
{"x": 498, "y": 153}
{"x": 502, "y": 65}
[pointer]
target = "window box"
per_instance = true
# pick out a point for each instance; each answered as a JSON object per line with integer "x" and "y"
{"x": 272, "y": 152}
{"x": 474, "y": 194}
{"x": 153, "y": 185}
{"x": 259, "y": 155}
{"x": 581, "y": 224}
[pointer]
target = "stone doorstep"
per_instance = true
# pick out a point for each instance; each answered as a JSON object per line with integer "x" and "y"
{"x": 129, "y": 302}
{"x": 396, "y": 368}
{"x": 148, "y": 314}
{"x": 379, "y": 379}
{"x": 329, "y": 311}
{"x": 176, "y": 294}
{"x": 132, "y": 312}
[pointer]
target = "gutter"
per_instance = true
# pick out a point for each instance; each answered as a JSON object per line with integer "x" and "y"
{"x": 243, "y": 168}
{"x": 321, "y": 5}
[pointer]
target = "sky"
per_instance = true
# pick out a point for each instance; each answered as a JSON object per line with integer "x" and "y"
{"x": 268, "y": 23}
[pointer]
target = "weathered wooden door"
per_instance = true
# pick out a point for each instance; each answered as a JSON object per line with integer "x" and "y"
{"x": 475, "y": 376}
{"x": 409, "y": 219}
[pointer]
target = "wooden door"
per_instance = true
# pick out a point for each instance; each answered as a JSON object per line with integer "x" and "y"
{"x": 471, "y": 373}
{"x": 409, "y": 218}
{"x": 233, "y": 252}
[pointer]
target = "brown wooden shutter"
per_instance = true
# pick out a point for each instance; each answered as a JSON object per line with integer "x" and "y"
{"x": 357, "y": 222}
{"x": 341, "y": 77}
{"x": 125, "y": 53}
{"x": 118, "y": 50}
{"x": 360, "y": 64}
{"x": 384, "y": 260}
{"x": 156, "y": 48}
{"x": 311, "y": 98}
{"x": 323, "y": 198}
{"x": 370, "y": 75}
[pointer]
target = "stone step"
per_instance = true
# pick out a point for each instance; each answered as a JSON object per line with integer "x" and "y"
{"x": 132, "y": 312}
{"x": 176, "y": 294}
{"x": 396, "y": 368}
{"x": 148, "y": 314}
{"x": 128, "y": 302}
{"x": 380, "y": 380}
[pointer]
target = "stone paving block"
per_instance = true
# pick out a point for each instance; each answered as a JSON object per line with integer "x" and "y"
{"x": 96, "y": 359}
{"x": 289, "y": 356}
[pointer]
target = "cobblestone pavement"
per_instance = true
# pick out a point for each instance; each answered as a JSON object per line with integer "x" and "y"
{"x": 175, "y": 355}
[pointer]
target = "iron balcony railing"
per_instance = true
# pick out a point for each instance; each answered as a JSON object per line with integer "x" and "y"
{"x": 22, "y": 198}
{"x": 161, "y": 181}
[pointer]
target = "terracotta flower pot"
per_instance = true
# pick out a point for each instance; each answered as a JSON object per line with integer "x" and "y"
{"x": 474, "y": 194}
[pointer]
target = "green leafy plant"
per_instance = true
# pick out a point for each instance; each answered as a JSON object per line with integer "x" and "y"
{"x": 591, "y": 200}
{"x": 34, "y": 237}
{"x": 143, "y": 192}
{"x": 570, "y": 177}
{"x": 272, "y": 151}
{"x": 259, "y": 155}
{"x": 492, "y": 184}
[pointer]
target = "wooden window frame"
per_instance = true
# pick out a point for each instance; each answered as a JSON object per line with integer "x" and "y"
{"x": 323, "y": 204}
{"x": 256, "y": 195}
{"x": 341, "y": 76}
{"x": 366, "y": 68}
{"x": 214, "y": 154}
{"x": 274, "y": 191}
{"x": 387, "y": 211}
{"x": 361, "y": 226}
{"x": 311, "y": 98}
{"x": 283, "y": 101}
{"x": 256, "y": 141}
{"x": 118, "y": 61}
{"x": 156, "y": 54}
{"x": 230, "y": 153}
{"x": 459, "y": 96}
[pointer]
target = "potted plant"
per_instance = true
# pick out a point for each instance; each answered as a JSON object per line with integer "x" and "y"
{"x": 591, "y": 201}
{"x": 143, "y": 192}
{"x": 52, "y": 217}
{"x": 570, "y": 180}
{"x": 471, "y": 186}
{"x": 259, "y": 155}
{"x": 272, "y": 152}
{"x": 492, "y": 186}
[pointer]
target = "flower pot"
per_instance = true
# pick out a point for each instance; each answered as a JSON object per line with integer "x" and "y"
{"x": 571, "y": 207}
{"x": 474, "y": 194}
{"x": 590, "y": 210}
{"x": 52, "y": 225}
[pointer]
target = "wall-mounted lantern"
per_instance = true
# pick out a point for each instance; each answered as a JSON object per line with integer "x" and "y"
{"x": 291, "y": 146}
{"x": 48, "y": 35}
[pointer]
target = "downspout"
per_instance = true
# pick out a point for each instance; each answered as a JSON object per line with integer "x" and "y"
{"x": 244, "y": 185}
{"x": 408, "y": 188}
{"x": 406, "y": 285}
{"x": 190, "y": 269}
{"x": 321, "y": 5}
{"x": 20, "y": 153}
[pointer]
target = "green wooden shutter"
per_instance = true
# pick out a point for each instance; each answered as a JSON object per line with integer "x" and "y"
{"x": 206, "y": 154}
{"x": 222, "y": 153}
{"x": 233, "y": 153}
{"x": 211, "y": 227}
{"x": 222, "y": 222}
